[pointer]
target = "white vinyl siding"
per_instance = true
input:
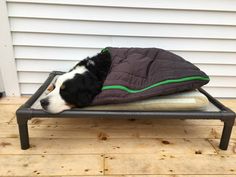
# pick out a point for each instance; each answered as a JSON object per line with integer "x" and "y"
{"x": 54, "y": 34}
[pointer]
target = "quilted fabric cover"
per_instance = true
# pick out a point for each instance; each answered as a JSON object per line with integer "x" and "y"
{"x": 140, "y": 73}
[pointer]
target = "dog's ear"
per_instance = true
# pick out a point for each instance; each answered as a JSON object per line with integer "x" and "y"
{"x": 98, "y": 64}
{"x": 88, "y": 88}
{"x": 84, "y": 98}
{"x": 81, "y": 90}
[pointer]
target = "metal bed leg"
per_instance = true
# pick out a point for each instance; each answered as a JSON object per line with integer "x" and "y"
{"x": 22, "y": 121}
{"x": 225, "y": 137}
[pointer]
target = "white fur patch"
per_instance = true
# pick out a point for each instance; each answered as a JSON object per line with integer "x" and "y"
{"x": 56, "y": 103}
{"x": 90, "y": 62}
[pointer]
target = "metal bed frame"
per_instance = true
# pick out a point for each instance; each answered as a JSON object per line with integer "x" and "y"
{"x": 25, "y": 113}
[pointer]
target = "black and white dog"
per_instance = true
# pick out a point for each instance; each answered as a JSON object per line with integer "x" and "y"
{"x": 79, "y": 86}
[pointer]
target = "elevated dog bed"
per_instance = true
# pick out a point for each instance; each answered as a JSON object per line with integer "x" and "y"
{"x": 189, "y": 100}
{"x": 196, "y": 104}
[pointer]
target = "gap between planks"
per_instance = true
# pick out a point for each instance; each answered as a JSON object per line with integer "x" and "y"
{"x": 109, "y": 146}
{"x": 169, "y": 164}
{"x": 70, "y": 131}
{"x": 49, "y": 165}
{"x": 116, "y": 164}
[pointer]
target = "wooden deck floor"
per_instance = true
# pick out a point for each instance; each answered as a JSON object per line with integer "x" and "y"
{"x": 114, "y": 147}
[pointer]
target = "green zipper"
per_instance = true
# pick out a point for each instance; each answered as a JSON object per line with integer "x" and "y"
{"x": 169, "y": 81}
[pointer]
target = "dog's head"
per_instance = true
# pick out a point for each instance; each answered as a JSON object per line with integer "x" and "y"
{"x": 78, "y": 87}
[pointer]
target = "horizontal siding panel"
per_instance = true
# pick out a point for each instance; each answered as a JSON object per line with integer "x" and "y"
{"x": 45, "y": 66}
{"x": 50, "y": 65}
{"x": 178, "y": 44}
{"x": 218, "y": 70}
{"x": 215, "y": 91}
{"x": 53, "y": 53}
{"x": 221, "y": 92}
{"x": 222, "y": 81}
{"x": 29, "y": 89}
{"x": 56, "y": 40}
{"x": 216, "y": 5}
{"x": 32, "y": 77}
{"x": 61, "y": 40}
{"x": 121, "y": 28}
{"x": 208, "y": 57}
{"x": 120, "y": 14}
{"x": 40, "y": 77}
{"x": 50, "y": 53}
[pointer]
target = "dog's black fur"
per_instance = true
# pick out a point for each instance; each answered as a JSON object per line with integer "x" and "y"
{"x": 81, "y": 90}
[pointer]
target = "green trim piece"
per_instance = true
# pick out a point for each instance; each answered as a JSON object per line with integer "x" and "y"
{"x": 104, "y": 50}
{"x": 169, "y": 81}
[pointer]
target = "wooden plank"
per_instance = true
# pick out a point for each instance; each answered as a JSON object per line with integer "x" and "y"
{"x": 107, "y": 146}
{"x": 114, "y": 123}
{"x": 114, "y": 14}
{"x": 121, "y": 29}
{"x": 43, "y": 165}
{"x": 9, "y": 131}
{"x": 231, "y": 103}
{"x": 169, "y": 164}
{"x": 7, "y": 113}
{"x": 13, "y": 100}
{"x": 70, "y": 131}
{"x": 121, "y": 123}
{"x": 162, "y": 176}
{"x": 218, "y": 5}
{"x": 200, "y": 176}
{"x": 174, "y": 176}
{"x": 231, "y": 148}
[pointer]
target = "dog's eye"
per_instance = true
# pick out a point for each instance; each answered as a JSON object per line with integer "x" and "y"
{"x": 62, "y": 87}
{"x": 51, "y": 87}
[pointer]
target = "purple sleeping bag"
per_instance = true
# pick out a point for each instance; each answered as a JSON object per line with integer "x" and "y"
{"x": 141, "y": 73}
